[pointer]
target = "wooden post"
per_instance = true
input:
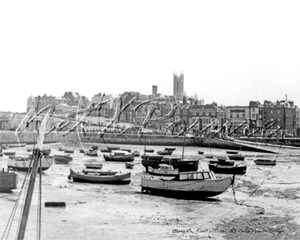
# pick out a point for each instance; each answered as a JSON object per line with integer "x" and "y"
{"x": 26, "y": 208}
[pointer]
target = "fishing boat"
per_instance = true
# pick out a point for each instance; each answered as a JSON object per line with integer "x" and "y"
{"x": 69, "y": 151}
{"x": 24, "y": 163}
{"x": 152, "y": 157}
{"x": 113, "y": 148}
{"x": 121, "y": 156}
{"x": 179, "y": 163}
{"x": 8, "y": 181}
{"x": 92, "y": 153}
{"x": 129, "y": 165}
{"x": 265, "y": 161}
{"x": 163, "y": 170}
{"x": 198, "y": 184}
{"x": 98, "y": 176}
{"x": 94, "y": 164}
{"x": 225, "y": 167}
{"x": 62, "y": 159}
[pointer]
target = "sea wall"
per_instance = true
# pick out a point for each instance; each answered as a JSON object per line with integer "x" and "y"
{"x": 8, "y": 137}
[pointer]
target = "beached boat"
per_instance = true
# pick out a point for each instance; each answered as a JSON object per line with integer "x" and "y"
{"x": 62, "y": 159}
{"x": 136, "y": 153}
{"x": 98, "y": 176}
{"x": 170, "y": 149}
{"x": 231, "y": 152}
{"x": 93, "y": 164}
{"x": 200, "y": 152}
{"x": 105, "y": 150}
{"x": 237, "y": 157}
{"x": 23, "y": 163}
{"x": 165, "y": 152}
{"x": 209, "y": 155}
{"x": 113, "y": 148}
{"x": 16, "y": 145}
{"x": 121, "y": 156}
{"x": 182, "y": 165}
{"x": 8, "y": 181}
{"x": 149, "y": 150}
{"x": 129, "y": 165}
{"x": 92, "y": 153}
{"x": 163, "y": 170}
{"x": 225, "y": 168}
{"x": 152, "y": 157}
{"x": 95, "y": 147}
{"x": 61, "y": 148}
{"x": 9, "y": 153}
{"x": 81, "y": 150}
{"x": 265, "y": 161}
{"x": 199, "y": 184}
{"x": 69, "y": 151}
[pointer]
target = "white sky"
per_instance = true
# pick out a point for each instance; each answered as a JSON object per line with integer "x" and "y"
{"x": 230, "y": 52}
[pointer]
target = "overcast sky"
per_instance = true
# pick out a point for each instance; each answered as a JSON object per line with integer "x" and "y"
{"x": 230, "y": 52}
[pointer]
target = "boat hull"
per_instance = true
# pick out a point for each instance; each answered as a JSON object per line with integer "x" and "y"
{"x": 187, "y": 188}
{"x": 119, "y": 178}
{"x": 119, "y": 158}
{"x": 24, "y": 165}
{"x": 265, "y": 162}
{"x": 226, "y": 169}
{"x": 62, "y": 159}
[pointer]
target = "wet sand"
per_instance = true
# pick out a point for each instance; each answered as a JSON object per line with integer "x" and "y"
{"x": 264, "y": 204}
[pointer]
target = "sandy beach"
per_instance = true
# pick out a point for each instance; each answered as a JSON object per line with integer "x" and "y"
{"x": 263, "y": 205}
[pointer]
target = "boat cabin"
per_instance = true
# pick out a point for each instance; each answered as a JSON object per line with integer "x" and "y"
{"x": 203, "y": 175}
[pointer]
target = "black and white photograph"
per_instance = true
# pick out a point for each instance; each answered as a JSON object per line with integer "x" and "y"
{"x": 146, "y": 120}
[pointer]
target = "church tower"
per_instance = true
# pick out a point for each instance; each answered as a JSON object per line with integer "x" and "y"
{"x": 178, "y": 86}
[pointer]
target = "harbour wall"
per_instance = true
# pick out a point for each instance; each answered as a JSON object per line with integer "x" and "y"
{"x": 29, "y": 137}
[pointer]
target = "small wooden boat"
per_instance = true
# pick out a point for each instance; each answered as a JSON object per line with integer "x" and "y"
{"x": 92, "y": 153}
{"x": 94, "y": 147}
{"x": 126, "y": 150}
{"x": 232, "y": 152}
{"x": 81, "y": 150}
{"x": 98, "y": 176}
{"x": 105, "y": 150}
{"x": 152, "y": 157}
{"x": 200, "y": 152}
{"x": 149, "y": 150}
{"x": 163, "y": 170}
{"x": 113, "y": 148}
{"x": 223, "y": 162}
{"x": 237, "y": 157}
{"x": 16, "y": 145}
{"x": 61, "y": 148}
{"x": 209, "y": 155}
{"x": 129, "y": 165}
{"x": 200, "y": 184}
{"x": 121, "y": 156}
{"x": 165, "y": 152}
{"x": 69, "y": 151}
{"x": 136, "y": 153}
{"x": 8, "y": 181}
{"x": 265, "y": 161}
{"x": 4, "y": 147}
{"x": 62, "y": 159}
{"x": 24, "y": 163}
{"x": 227, "y": 169}
{"x": 94, "y": 165}
{"x": 170, "y": 149}
{"x": 9, "y": 153}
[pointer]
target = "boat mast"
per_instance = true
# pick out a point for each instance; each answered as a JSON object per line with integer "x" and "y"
{"x": 26, "y": 208}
